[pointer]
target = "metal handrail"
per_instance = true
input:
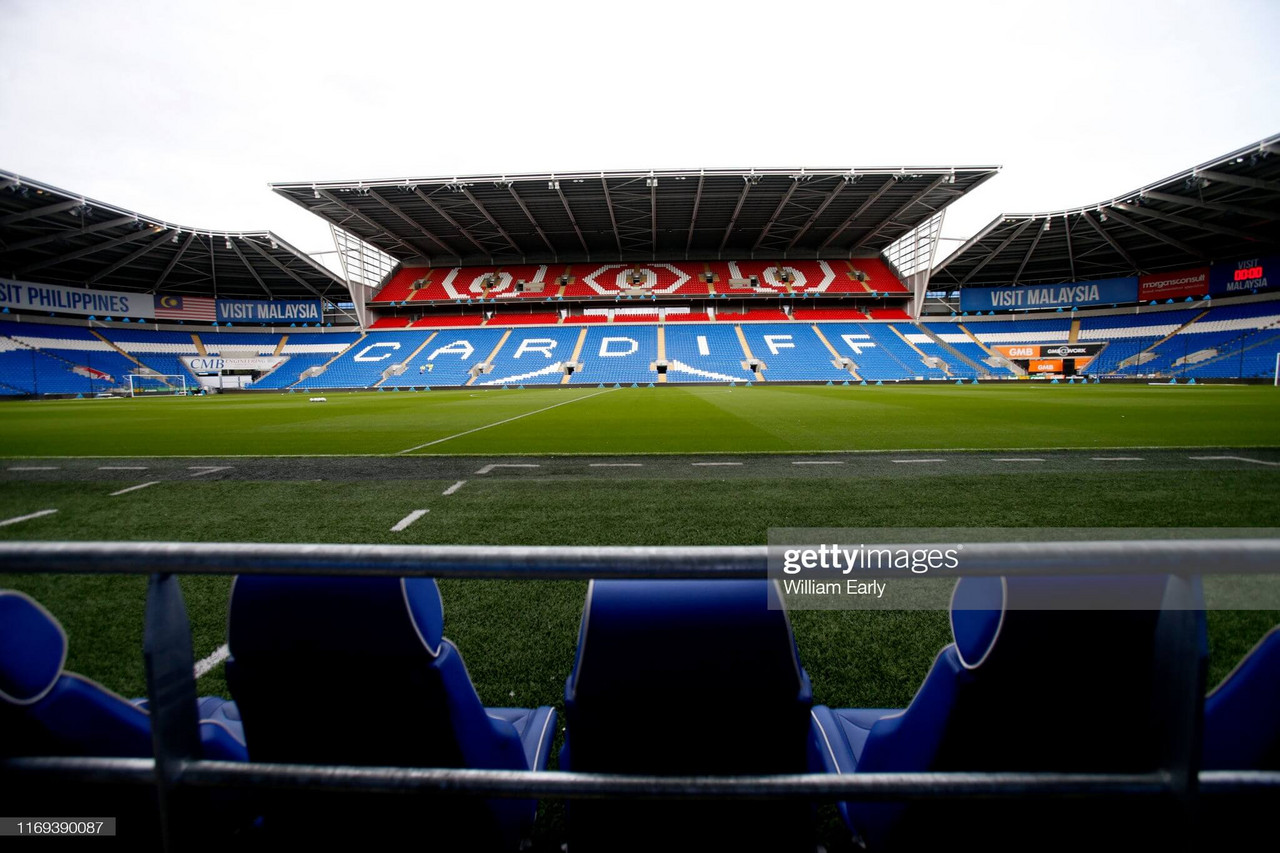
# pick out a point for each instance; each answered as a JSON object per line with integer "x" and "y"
{"x": 171, "y": 683}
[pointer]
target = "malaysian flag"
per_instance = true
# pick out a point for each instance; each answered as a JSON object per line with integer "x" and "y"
{"x": 186, "y": 308}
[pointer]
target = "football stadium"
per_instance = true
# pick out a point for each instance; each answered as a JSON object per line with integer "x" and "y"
{"x": 632, "y": 444}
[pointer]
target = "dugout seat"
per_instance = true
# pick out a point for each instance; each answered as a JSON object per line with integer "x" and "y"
{"x": 687, "y": 678}
{"x": 1024, "y": 688}
{"x": 1242, "y": 714}
{"x": 47, "y": 711}
{"x": 349, "y": 670}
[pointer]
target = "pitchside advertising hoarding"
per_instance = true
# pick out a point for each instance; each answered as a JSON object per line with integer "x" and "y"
{"x": 1178, "y": 284}
{"x": 24, "y": 296}
{"x": 1110, "y": 291}
{"x": 1245, "y": 276}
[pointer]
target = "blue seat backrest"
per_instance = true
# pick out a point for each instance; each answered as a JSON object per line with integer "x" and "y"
{"x": 1242, "y": 714}
{"x": 685, "y": 678}
{"x": 1040, "y": 678}
{"x": 356, "y": 671}
{"x": 45, "y": 710}
{"x": 712, "y": 654}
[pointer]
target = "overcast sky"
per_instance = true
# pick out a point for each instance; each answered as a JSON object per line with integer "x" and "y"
{"x": 185, "y": 111}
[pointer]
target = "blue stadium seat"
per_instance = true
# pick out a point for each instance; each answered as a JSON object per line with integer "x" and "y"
{"x": 1242, "y": 714}
{"x": 686, "y": 678}
{"x": 401, "y": 697}
{"x": 1024, "y": 687}
{"x": 46, "y": 710}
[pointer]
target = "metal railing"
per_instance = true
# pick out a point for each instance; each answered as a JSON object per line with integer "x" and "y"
{"x": 171, "y": 688}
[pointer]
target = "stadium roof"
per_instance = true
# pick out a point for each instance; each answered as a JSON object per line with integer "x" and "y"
{"x": 637, "y": 216}
{"x": 54, "y": 236}
{"x": 1226, "y": 208}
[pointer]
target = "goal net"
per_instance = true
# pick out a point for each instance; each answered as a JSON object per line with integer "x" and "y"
{"x": 152, "y": 385}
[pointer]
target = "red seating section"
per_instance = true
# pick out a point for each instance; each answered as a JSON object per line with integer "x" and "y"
{"x": 398, "y": 288}
{"x": 753, "y": 315}
{"x": 879, "y": 279}
{"x": 443, "y": 321}
{"x": 691, "y": 317}
{"x": 889, "y": 314}
{"x": 828, "y": 314}
{"x": 545, "y": 318}
{"x": 390, "y": 323}
{"x": 586, "y": 318}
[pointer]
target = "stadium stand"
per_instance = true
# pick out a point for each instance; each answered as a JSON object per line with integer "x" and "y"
{"x": 878, "y": 352}
{"x": 390, "y": 323}
{"x": 443, "y": 321}
{"x": 447, "y": 359}
{"x": 811, "y": 314}
{"x": 532, "y": 357}
{"x": 534, "y": 319}
{"x": 709, "y": 353}
{"x": 956, "y": 368}
{"x": 362, "y": 366}
{"x": 612, "y": 355}
{"x": 792, "y": 352}
{"x": 687, "y": 317}
{"x": 753, "y": 315}
{"x": 967, "y": 347}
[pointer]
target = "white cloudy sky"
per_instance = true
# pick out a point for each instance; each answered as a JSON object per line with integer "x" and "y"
{"x": 186, "y": 110}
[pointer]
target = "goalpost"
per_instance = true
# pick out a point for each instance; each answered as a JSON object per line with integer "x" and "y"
{"x": 155, "y": 384}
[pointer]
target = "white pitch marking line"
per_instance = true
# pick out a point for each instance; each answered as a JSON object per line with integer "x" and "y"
{"x": 409, "y": 519}
{"x": 201, "y": 470}
{"x": 507, "y": 421}
{"x": 34, "y": 468}
{"x": 1233, "y": 459}
{"x": 133, "y": 488}
{"x": 39, "y": 514}
{"x": 220, "y": 654}
{"x": 1116, "y": 458}
{"x": 616, "y": 464}
{"x": 486, "y": 469}
{"x": 454, "y": 488}
{"x": 122, "y": 467}
{"x": 918, "y": 460}
{"x": 1019, "y": 459}
{"x": 831, "y": 462}
{"x": 713, "y": 464}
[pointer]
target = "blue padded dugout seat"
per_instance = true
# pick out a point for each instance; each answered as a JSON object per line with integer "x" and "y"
{"x": 1242, "y": 714}
{"x": 395, "y": 693}
{"x": 1023, "y": 688}
{"x": 47, "y": 711}
{"x": 686, "y": 678}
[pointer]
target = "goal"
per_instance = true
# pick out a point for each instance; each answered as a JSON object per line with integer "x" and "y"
{"x": 155, "y": 384}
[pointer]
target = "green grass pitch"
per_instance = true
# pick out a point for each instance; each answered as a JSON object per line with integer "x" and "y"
{"x": 518, "y": 637}
{"x": 755, "y": 419}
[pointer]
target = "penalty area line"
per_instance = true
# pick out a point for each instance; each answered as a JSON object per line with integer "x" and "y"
{"x": 506, "y": 421}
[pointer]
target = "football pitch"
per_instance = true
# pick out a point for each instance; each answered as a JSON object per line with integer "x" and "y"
{"x": 741, "y": 419}
{"x": 627, "y": 466}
